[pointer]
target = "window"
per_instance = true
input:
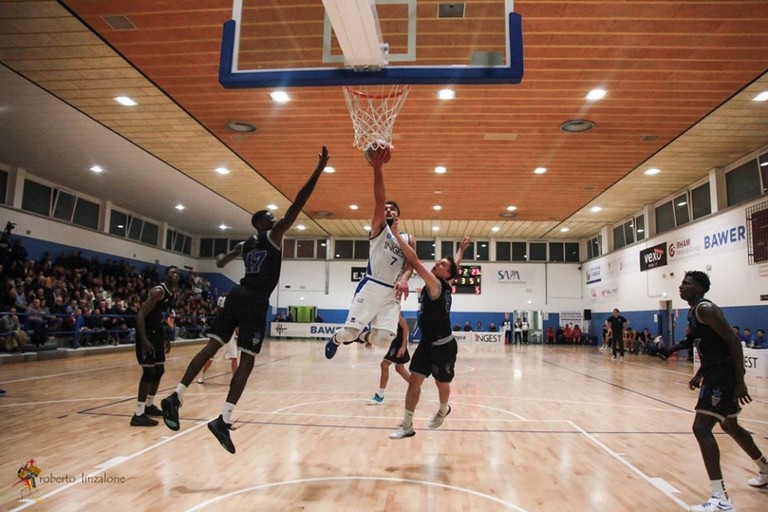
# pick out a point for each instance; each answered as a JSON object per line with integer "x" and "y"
{"x": 618, "y": 237}
{"x": 572, "y": 251}
{"x": 640, "y": 227}
{"x": 743, "y": 183}
{"x": 3, "y": 186}
{"x": 556, "y": 251}
{"x": 702, "y": 202}
{"x": 37, "y": 198}
{"x": 665, "y": 217}
{"x": 64, "y": 206}
{"x": 178, "y": 242}
{"x": 322, "y": 249}
{"x": 344, "y": 249}
{"x": 681, "y": 210}
{"x": 305, "y": 249}
{"x": 149, "y": 233}
{"x": 86, "y": 214}
{"x": 538, "y": 251}
{"x": 482, "y": 248}
{"x": 503, "y": 251}
{"x": 629, "y": 232}
{"x": 519, "y": 251}
{"x": 595, "y": 246}
{"x": 118, "y": 222}
{"x": 425, "y": 249}
{"x": 289, "y": 248}
{"x": 446, "y": 249}
{"x": 762, "y": 161}
{"x": 362, "y": 248}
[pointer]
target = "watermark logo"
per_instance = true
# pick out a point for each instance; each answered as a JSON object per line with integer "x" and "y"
{"x": 27, "y": 475}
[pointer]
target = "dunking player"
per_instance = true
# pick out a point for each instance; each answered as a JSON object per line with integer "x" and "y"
{"x": 377, "y": 298}
{"x": 245, "y": 307}
{"x": 152, "y": 345}
{"x": 436, "y": 353}
{"x": 723, "y": 390}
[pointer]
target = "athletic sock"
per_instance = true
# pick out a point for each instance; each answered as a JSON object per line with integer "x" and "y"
{"x": 180, "y": 389}
{"x": 408, "y": 419}
{"x": 380, "y": 392}
{"x": 150, "y": 400}
{"x": 443, "y": 408}
{"x": 762, "y": 464}
{"x": 718, "y": 489}
{"x": 226, "y": 412}
{"x": 139, "y": 408}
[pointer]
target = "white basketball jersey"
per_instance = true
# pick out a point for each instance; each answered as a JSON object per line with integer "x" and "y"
{"x": 385, "y": 257}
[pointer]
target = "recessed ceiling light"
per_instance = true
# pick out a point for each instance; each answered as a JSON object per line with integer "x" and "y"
{"x": 435, "y": 228}
{"x": 595, "y": 209}
{"x": 576, "y": 126}
{"x": 239, "y": 126}
{"x": 271, "y": 207}
{"x": 540, "y": 170}
{"x": 511, "y": 208}
{"x": 652, "y": 171}
{"x": 495, "y": 229}
{"x": 440, "y": 169}
{"x": 367, "y": 228}
{"x": 437, "y": 207}
{"x": 353, "y": 207}
{"x": 222, "y": 170}
{"x": 446, "y": 94}
{"x": 565, "y": 230}
{"x": 280, "y": 96}
{"x": 301, "y": 227}
{"x": 323, "y": 214}
{"x": 329, "y": 169}
{"x": 125, "y": 101}
{"x": 179, "y": 207}
{"x": 596, "y": 94}
{"x": 97, "y": 169}
{"x": 507, "y": 215}
{"x": 223, "y": 227}
{"x": 763, "y": 96}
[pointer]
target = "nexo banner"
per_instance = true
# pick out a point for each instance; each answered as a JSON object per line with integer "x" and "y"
{"x": 653, "y": 257}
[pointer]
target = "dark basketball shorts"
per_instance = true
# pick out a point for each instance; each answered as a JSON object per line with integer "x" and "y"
{"x": 717, "y": 399}
{"x": 437, "y": 358}
{"x": 246, "y": 308}
{"x": 157, "y": 339}
{"x": 392, "y": 353}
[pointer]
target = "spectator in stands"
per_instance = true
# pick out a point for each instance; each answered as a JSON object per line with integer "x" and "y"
{"x": 525, "y": 327}
{"x": 518, "y": 329}
{"x": 492, "y": 327}
{"x": 577, "y": 334}
{"x": 568, "y": 333}
{"x": 507, "y": 327}
{"x": 644, "y": 337}
{"x": 550, "y": 334}
{"x": 457, "y": 327}
{"x": 479, "y": 326}
{"x": 747, "y": 337}
{"x": 760, "y": 341}
{"x": 630, "y": 339}
{"x": 467, "y": 327}
{"x": 12, "y": 336}
{"x": 559, "y": 335}
{"x": 36, "y": 323}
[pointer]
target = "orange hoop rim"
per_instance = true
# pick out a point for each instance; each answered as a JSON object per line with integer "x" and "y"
{"x": 366, "y": 95}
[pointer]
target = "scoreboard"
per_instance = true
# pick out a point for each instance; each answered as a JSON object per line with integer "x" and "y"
{"x": 469, "y": 280}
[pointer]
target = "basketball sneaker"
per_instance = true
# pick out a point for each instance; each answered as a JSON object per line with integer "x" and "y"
{"x": 170, "y": 406}
{"x": 360, "y": 338}
{"x": 376, "y": 400}
{"x": 220, "y": 429}
{"x": 437, "y": 419}
{"x": 143, "y": 421}
{"x": 715, "y": 503}
{"x": 401, "y": 432}
{"x": 330, "y": 348}
{"x": 152, "y": 410}
{"x": 761, "y": 480}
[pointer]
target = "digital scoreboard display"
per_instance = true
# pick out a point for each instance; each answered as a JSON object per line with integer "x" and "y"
{"x": 469, "y": 280}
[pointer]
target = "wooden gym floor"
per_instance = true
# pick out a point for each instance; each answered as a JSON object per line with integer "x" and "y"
{"x": 534, "y": 428}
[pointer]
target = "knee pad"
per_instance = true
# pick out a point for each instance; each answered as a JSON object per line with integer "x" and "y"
{"x": 381, "y": 337}
{"x": 346, "y": 334}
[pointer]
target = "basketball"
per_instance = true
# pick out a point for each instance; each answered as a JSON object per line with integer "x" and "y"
{"x": 381, "y": 147}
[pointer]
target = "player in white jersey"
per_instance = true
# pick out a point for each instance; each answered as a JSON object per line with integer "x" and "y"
{"x": 377, "y": 298}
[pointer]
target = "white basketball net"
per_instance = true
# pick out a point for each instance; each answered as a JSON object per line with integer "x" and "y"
{"x": 373, "y": 110}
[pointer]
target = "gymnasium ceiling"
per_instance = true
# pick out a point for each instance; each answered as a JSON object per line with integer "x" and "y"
{"x": 680, "y": 77}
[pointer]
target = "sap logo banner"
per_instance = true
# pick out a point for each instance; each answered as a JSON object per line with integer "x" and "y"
{"x": 725, "y": 237}
{"x": 513, "y": 276}
{"x": 653, "y": 257}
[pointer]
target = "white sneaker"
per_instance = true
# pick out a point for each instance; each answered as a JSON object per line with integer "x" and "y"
{"x": 714, "y": 504}
{"x": 402, "y": 432}
{"x": 376, "y": 400}
{"x": 437, "y": 419}
{"x": 761, "y": 480}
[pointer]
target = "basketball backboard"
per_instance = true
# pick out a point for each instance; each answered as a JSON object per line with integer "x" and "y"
{"x": 290, "y": 43}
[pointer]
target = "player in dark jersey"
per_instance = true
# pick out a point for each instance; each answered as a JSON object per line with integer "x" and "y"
{"x": 397, "y": 355}
{"x": 245, "y": 307}
{"x": 436, "y": 353}
{"x": 617, "y": 324}
{"x": 723, "y": 390}
{"x": 152, "y": 345}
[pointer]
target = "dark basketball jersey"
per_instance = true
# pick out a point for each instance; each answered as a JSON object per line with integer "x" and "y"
{"x": 154, "y": 319}
{"x": 263, "y": 260}
{"x": 713, "y": 350}
{"x": 435, "y": 314}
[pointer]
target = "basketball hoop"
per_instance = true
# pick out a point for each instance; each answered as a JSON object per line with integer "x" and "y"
{"x": 373, "y": 110}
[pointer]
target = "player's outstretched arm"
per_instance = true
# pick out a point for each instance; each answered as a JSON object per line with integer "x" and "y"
{"x": 284, "y": 224}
